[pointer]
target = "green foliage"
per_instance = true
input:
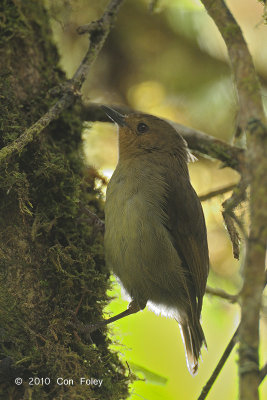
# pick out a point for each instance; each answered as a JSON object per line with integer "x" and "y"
{"x": 150, "y": 376}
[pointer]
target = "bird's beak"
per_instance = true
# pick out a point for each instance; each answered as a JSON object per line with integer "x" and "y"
{"x": 114, "y": 115}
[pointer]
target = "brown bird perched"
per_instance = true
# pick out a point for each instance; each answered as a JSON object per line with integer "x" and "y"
{"x": 155, "y": 235}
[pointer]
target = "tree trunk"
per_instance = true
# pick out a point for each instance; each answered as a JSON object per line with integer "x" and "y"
{"x": 52, "y": 266}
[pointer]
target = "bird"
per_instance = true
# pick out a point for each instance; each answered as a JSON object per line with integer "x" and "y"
{"x": 155, "y": 233}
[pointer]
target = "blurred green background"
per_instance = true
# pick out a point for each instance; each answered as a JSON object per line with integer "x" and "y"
{"x": 172, "y": 63}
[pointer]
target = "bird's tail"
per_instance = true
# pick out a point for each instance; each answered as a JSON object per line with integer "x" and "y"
{"x": 193, "y": 339}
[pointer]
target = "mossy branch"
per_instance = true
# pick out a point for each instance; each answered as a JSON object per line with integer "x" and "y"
{"x": 98, "y": 32}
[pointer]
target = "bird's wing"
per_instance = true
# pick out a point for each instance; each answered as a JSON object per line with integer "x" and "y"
{"x": 188, "y": 229}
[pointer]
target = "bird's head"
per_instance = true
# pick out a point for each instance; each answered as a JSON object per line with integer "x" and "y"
{"x": 144, "y": 133}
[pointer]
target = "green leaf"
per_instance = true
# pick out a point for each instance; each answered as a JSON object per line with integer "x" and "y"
{"x": 149, "y": 376}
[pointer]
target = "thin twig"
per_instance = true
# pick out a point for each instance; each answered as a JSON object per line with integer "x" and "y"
{"x": 226, "y": 354}
{"x": 219, "y": 366}
{"x": 233, "y": 298}
{"x": 98, "y": 34}
{"x": 263, "y": 373}
{"x": 217, "y": 192}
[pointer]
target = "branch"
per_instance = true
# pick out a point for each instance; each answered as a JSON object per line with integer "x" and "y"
{"x": 233, "y": 298}
{"x": 229, "y": 348}
{"x": 263, "y": 373}
{"x": 206, "y": 389}
{"x": 252, "y": 119}
{"x": 98, "y": 31}
{"x": 217, "y": 192}
{"x": 219, "y": 366}
{"x": 232, "y": 156}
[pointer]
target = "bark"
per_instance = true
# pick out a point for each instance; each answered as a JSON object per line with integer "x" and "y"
{"x": 52, "y": 263}
{"x": 251, "y": 120}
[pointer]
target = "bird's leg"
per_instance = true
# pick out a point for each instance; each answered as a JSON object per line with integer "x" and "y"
{"x": 132, "y": 309}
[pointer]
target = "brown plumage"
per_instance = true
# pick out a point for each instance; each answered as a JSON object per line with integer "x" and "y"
{"x": 155, "y": 238}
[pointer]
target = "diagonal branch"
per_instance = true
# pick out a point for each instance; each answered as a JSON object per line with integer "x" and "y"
{"x": 217, "y": 192}
{"x": 98, "y": 32}
{"x": 219, "y": 366}
{"x": 263, "y": 373}
{"x": 206, "y": 389}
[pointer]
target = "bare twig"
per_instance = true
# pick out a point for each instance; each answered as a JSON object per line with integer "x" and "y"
{"x": 217, "y": 192}
{"x": 263, "y": 373}
{"x": 219, "y": 366}
{"x": 222, "y": 294}
{"x": 99, "y": 31}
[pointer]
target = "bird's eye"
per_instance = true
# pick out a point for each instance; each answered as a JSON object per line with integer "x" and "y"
{"x": 142, "y": 127}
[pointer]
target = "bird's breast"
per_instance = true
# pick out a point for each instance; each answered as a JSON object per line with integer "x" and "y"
{"x": 135, "y": 196}
{"x": 136, "y": 238}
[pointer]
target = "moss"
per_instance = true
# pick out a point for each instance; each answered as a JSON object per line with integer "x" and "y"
{"x": 52, "y": 261}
